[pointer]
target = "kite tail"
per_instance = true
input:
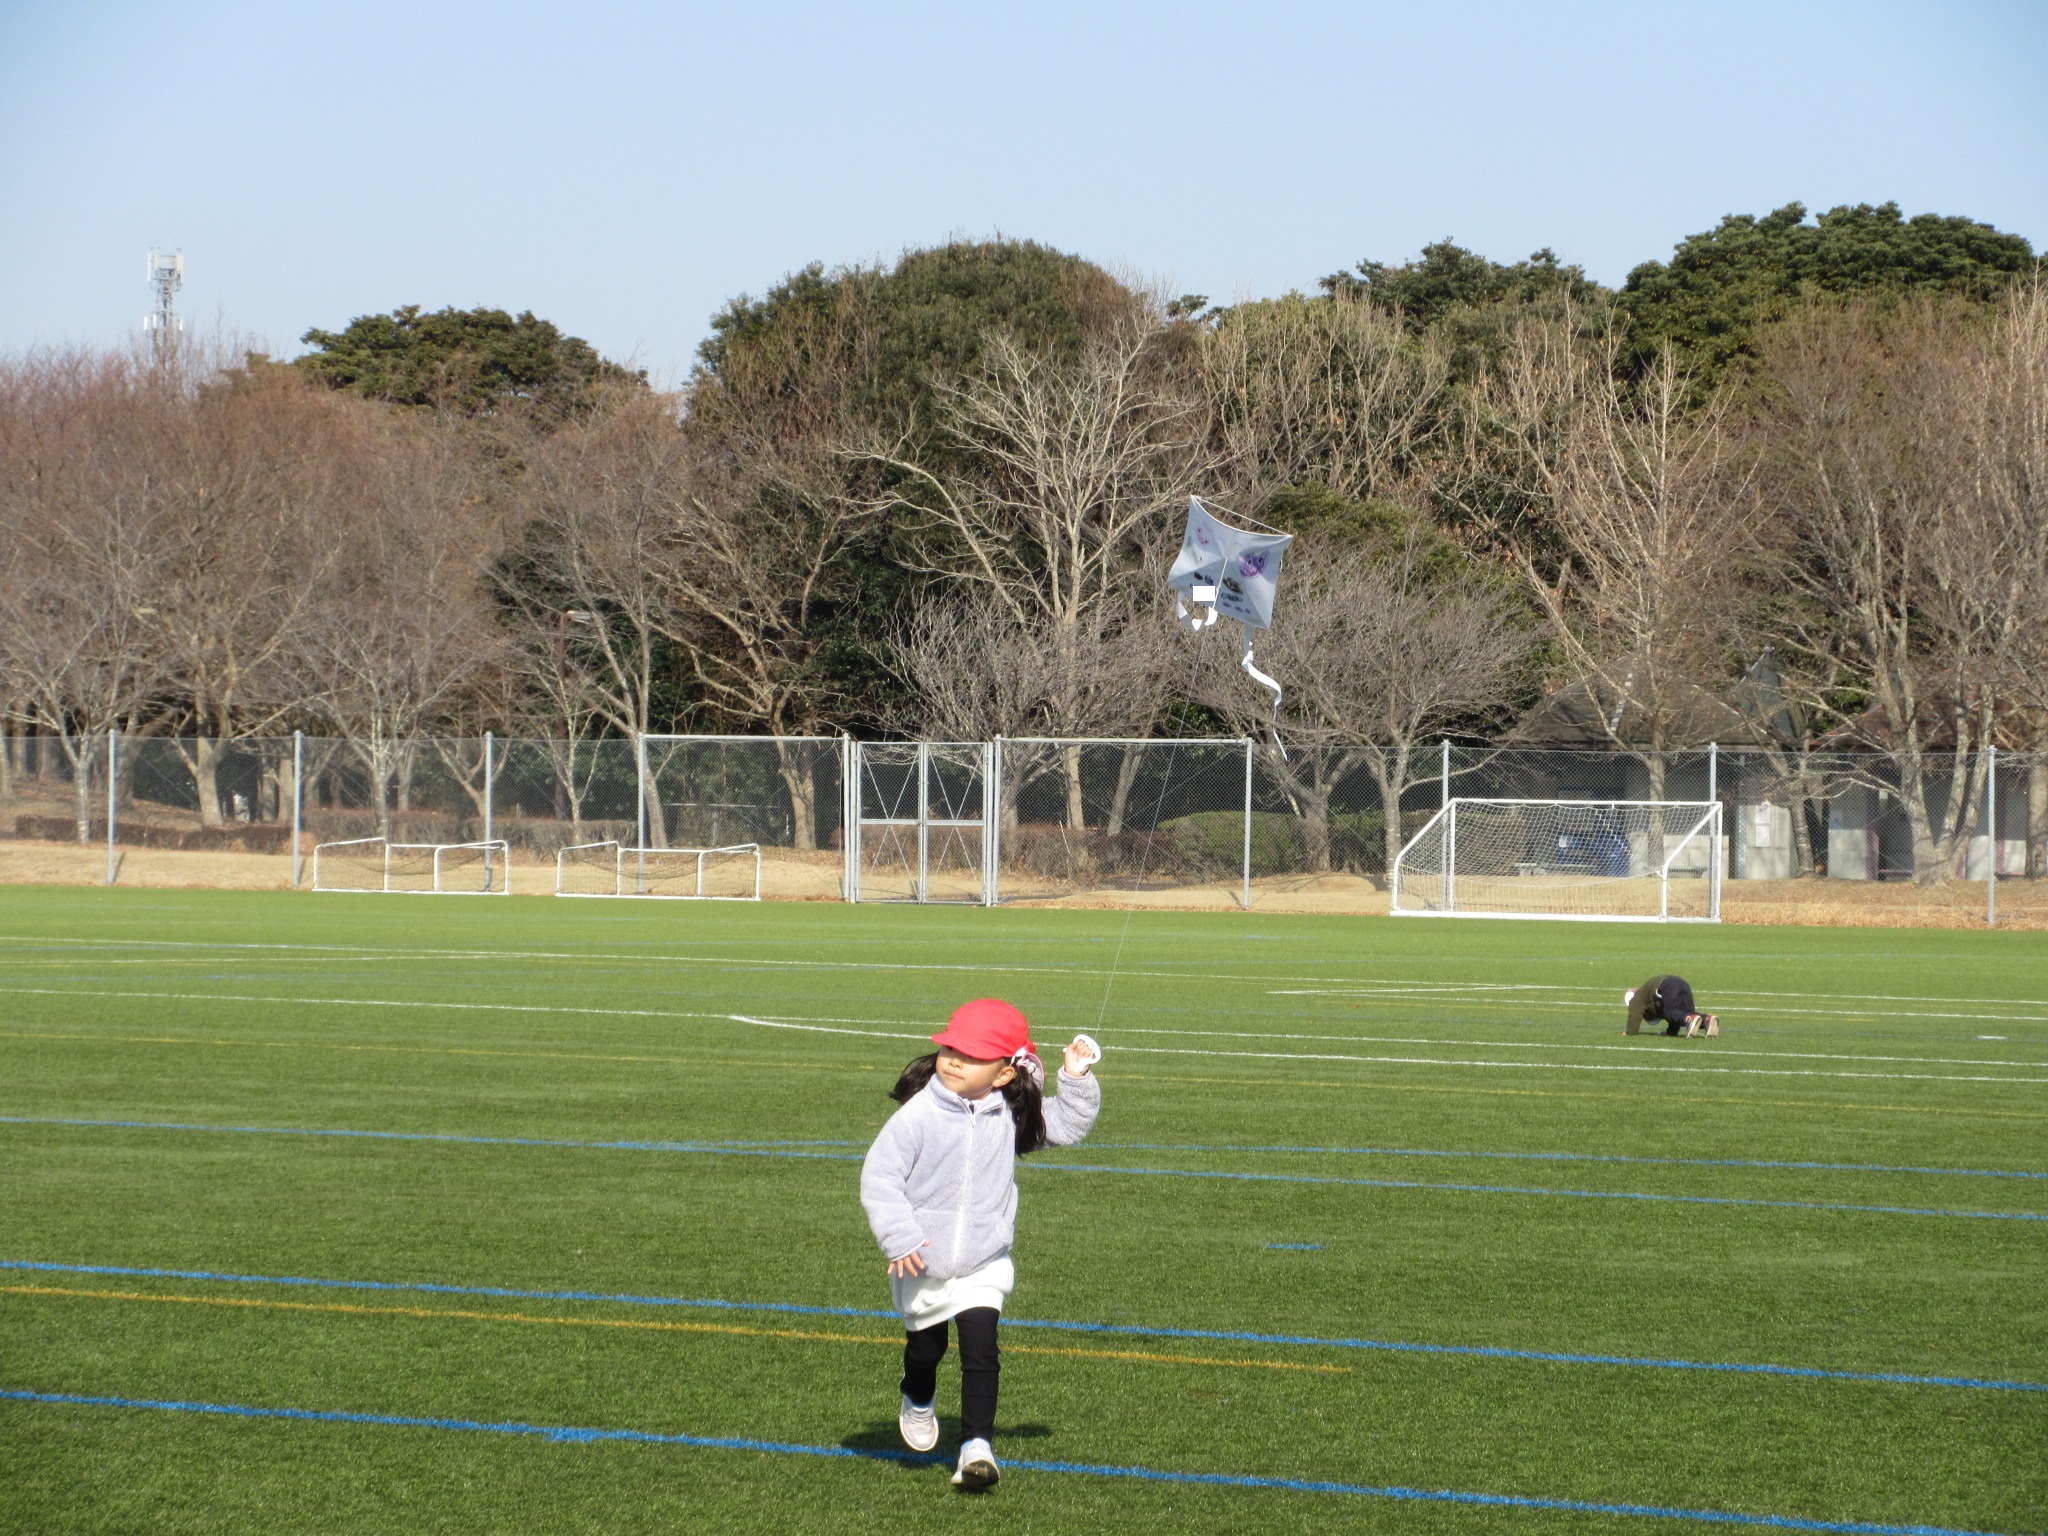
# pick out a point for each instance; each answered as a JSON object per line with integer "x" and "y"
{"x": 1264, "y": 681}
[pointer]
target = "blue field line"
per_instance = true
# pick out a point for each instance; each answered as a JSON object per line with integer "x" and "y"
{"x": 1561, "y": 1157}
{"x": 563, "y": 1434}
{"x": 728, "y": 1148}
{"x": 789, "y": 1150}
{"x": 1133, "y": 1330}
{"x": 1523, "y": 1189}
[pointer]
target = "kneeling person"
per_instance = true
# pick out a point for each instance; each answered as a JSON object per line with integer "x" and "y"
{"x": 1668, "y": 1000}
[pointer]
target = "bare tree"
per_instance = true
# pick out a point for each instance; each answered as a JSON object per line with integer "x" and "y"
{"x": 771, "y": 528}
{"x": 1635, "y": 529}
{"x": 1874, "y": 422}
{"x": 973, "y": 675}
{"x": 1064, "y": 477}
{"x": 402, "y": 622}
{"x": 594, "y": 587}
{"x": 87, "y": 553}
{"x": 1990, "y": 560}
{"x": 1381, "y": 648}
{"x": 969, "y": 679}
{"x": 1330, "y": 391}
{"x": 255, "y": 469}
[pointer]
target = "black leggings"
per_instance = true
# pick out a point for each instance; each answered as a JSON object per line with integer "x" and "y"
{"x": 979, "y": 1369}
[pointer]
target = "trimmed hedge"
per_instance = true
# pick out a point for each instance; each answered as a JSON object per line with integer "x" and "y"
{"x": 143, "y": 834}
{"x": 537, "y": 837}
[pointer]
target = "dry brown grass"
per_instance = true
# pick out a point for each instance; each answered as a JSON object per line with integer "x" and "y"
{"x": 2022, "y": 904}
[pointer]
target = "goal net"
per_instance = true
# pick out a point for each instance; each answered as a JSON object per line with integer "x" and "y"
{"x": 1604, "y": 860}
{"x": 418, "y": 869}
{"x": 691, "y": 874}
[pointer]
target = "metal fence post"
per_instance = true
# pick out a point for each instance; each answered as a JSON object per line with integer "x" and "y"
{"x": 924, "y": 812}
{"x": 489, "y": 769}
{"x": 1247, "y": 824}
{"x": 640, "y": 774}
{"x": 298, "y": 800}
{"x": 1450, "y": 881}
{"x": 1715, "y": 873}
{"x": 991, "y": 800}
{"x": 992, "y": 822}
{"x": 113, "y": 786}
{"x": 1713, "y": 794}
{"x": 849, "y": 816}
{"x": 1443, "y": 797}
{"x": 1991, "y": 839}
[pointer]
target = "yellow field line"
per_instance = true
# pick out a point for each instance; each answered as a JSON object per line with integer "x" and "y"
{"x": 1351, "y": 1084}
{"x": 639, "y": 1325}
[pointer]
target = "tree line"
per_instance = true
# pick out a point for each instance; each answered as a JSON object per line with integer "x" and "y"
{"x": 1787, "y": 486}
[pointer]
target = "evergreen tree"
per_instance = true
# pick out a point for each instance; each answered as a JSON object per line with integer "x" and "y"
{"x": 1720, "y": 286}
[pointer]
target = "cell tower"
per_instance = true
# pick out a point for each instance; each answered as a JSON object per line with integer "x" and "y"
{"x": 166, "y": 276}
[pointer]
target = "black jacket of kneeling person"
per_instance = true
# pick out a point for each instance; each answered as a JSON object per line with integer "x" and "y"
{"x": 1662, "y": 999}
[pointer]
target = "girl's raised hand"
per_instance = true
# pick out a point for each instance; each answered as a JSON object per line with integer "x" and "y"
{"x": 909, "y": 1266}
{"x": 1082, "y": 1055}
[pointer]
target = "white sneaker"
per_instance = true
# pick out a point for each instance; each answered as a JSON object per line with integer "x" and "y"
{"x": 920, "y": 1426}
{"x": 977, "y": 1469}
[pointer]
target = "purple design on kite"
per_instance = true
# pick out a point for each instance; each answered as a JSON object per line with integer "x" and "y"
{"x": 1202, "y": 536}
{"x": 1252, "y": 564}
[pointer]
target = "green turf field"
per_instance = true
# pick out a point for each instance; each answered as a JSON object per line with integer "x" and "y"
{"x": 1380, "y": 1156}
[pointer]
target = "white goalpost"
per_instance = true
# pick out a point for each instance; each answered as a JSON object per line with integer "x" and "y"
{"x": 1624, "y": 861}
{"x": 415, "y": 869}
{"x": 686, "y": 874}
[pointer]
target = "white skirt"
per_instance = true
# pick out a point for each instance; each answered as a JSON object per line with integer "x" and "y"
{"x": 924, "y": 1300}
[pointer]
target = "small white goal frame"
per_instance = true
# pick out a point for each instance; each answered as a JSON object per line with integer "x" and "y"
{"x": 1697, "y": 819}
{"x": 625, "y": 874}
{"x": 497, "y": 871}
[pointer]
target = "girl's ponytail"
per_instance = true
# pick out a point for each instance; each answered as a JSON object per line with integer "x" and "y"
{"x": 1027, "y": 1107}
{"x": 1021, "y": 1093}
{"x": 914, "y": 1077}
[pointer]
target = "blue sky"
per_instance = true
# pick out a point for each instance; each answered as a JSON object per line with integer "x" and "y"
{"x": 623, "y": 169}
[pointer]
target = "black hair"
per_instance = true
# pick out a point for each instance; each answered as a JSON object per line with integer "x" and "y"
{"x": 1021, "y": 1093}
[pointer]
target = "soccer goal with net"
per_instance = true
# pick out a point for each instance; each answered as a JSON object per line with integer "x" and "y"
{"x": 1642, "y": 861}
{"x": 689, "y": 874}
{"x": 418, "y": 869}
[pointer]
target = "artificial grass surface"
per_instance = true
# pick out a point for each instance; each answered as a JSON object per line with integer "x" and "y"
{"x": 587, "y": 1022}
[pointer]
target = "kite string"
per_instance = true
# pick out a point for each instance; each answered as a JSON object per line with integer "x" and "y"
{"x": 1145, "y": 855}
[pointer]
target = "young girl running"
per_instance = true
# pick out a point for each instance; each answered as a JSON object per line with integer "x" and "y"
{"x": 938, "y": 1190}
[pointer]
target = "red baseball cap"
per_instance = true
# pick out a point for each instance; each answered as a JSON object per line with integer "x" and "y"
{"x": 987, "y": 1029}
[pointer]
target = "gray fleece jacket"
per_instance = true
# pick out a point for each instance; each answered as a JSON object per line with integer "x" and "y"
{"x": 939, "y": 1179}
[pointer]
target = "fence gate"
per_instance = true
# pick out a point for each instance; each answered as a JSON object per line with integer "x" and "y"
{"x": 921, "y": 830}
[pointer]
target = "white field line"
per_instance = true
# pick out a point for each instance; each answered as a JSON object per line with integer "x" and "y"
{"x": 1775, "y": 1011}
{"x": 1115, "y": 1031}
{"x": 1590, "y": 994}
{"x": 385, "y": 1002}
{"x": 1568, "y": 1045}
{"x": 1121, "y": 1030}
{"x": 1583, "y": 1066}
{"x": 1396, "y": 993}
{"x": 1209, "y": 970}
{"x": 1147, "y": 1050}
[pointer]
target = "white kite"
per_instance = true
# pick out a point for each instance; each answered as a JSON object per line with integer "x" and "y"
{"x": 1232, "y": 574}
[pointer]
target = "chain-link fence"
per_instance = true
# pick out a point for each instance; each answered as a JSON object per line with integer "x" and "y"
{"x": 1118, "y": 822}
{"x": 1092, "y": 822}
{"x": 785, "y": 794}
